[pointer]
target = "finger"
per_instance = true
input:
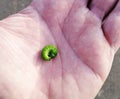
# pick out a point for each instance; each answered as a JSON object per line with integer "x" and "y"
{"x": 102, "y": 7}
{"x": 111, "y": 28}
{"x": 56, "y": 9}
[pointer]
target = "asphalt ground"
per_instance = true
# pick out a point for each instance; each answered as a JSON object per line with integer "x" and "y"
{"x": 111, "y": 88}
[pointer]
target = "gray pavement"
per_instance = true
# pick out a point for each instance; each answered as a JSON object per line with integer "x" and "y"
{"x": 111, "y": 88}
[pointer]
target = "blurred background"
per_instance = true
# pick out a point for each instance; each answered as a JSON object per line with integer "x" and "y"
{"x": 111, "y": 88}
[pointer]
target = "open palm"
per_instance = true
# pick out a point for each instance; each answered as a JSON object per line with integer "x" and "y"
{"x": 86, "y": 49}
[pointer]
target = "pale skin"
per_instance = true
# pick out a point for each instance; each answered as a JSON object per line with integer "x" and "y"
{"x": 86, "y": 44}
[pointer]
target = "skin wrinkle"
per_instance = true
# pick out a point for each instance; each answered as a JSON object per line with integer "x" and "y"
{"x": 73, "y": 7}
{"x": 61, "y": 61}
{"x": 87, "y": 25}
{"x": 49, "y": 16}
{"x": 48, "y": 28}
{"x": 93, "y": 83}
{"x": 68, "y": 13}
{"x": 61, "y": 58}
{"x": 77, "y": 84}
{"x": 60, "y": 55}
{"x": 97, "y": 74}
{"x": 62, "y": 30}
{"x": 80, "y": 90}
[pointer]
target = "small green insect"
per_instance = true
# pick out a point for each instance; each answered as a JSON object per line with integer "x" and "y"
{"x": 49, "y": 52}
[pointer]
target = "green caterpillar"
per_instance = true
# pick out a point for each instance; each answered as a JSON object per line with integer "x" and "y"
{"x": 49, "y": 52}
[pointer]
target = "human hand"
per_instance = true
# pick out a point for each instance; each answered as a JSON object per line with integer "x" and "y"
{"x": 86, "y": 44}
